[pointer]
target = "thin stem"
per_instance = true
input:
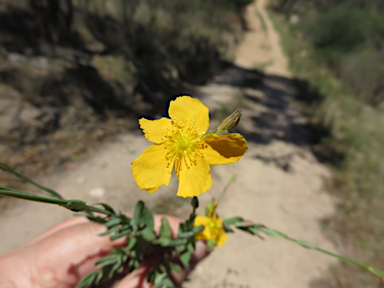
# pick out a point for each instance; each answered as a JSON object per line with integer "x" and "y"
{"x": 74, "y": 205}
{"x": 6, "y": 168}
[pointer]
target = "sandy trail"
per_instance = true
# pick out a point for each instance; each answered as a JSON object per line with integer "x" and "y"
{"x": 279, "y": 182}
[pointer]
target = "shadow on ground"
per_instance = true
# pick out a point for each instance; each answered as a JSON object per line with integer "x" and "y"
{"x": 269, "y": 112}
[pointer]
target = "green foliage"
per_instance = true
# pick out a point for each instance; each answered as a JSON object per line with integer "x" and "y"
{"x": 348, "y": 137}
{"x": 8, "y": 169}
{"x": 143, "y": 244}
{"x": 364, "y": 74}
{"x": 337, "y": 32}
{"x": 256, "y": 229}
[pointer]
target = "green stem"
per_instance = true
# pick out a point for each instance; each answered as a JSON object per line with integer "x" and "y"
{"x": 6, "y": 168}
{"x": 74, "y": 205}
{"x": 275, "y": 233}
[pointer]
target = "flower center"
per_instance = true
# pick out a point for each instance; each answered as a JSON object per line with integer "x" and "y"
{"x": 182, "y": 144}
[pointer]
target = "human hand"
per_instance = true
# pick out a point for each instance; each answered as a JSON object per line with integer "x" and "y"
{"x": 67, "y": 252}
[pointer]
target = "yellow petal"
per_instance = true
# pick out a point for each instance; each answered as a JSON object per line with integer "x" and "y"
{"x": 151, "y": 169}
{"x": 221, "y": 238}
{"x": 200, "y": 220}
{"x": 185, "y": 107}
{"x": 224, "y": 149}
{"x": 213, "y": 229}
{"x": 194, "y": 179}
{"x": 204, "y": 234}
{"x": 155, "y": 130}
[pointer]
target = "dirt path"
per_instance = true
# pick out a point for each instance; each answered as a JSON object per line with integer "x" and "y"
{"x": 279, "y": 182}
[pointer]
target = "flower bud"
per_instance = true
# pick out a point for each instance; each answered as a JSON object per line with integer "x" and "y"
{"x": 228, "y": 123}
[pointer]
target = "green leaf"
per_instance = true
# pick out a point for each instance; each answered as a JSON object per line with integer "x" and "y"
{"x": 178, "y": 242}
{"x": 136, "y": 220}
{"x": 278, "y": 234}
{"x": 29, "y": 196}
{"x": 274, "y": 233}
{"x": 209, "y": 206}
{"x": 164, "y": 241}
{"x": 109, "y": 231}
{"x": 211, "y": 244}
{"x": 107, "y": 260}
{"x": 88, "y": 280}
{"x": 76, "y": 205}
{"x": 131, "y": 242}
{"x": 232, "y": 221}
{"x": 165, "y": 229}
{"x": 148, "y": 234}
{"x": 113, "y": 222}
{"x": 227, "y": 229}
{"x": 159, "y": 278}
{"x": 185, "y": 257}
{"x": 191, "y": 247}
{"x": 6, "y": 168}
{"x": 191, "y": 233}
{"x": 121, "y": 233}
{"x": 307, "y": 244}
{"x": 175, "y": 267}
{"x": 107, "y": 208}
{"x": 147, "y": 218}
{"x": 162, "y": 280}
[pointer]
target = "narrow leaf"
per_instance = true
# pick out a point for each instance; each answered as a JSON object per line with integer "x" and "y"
{"x": 185, "y": 258}
{"x": 165, "y": 229}
{"x": 232, "y": 221}
{"x": 6, "y": 168}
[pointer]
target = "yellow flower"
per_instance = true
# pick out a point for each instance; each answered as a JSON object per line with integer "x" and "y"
{"x": 213, "y": 229}
{"x": 180, "y": 145}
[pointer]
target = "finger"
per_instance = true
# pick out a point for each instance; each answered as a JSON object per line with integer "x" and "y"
{"x": 173, "y": 222}
{"x": 200, "y": 253}
{"x": 138, "y": 277}
{"x": 62, "y": 258}
{"x": 60, "y": 226}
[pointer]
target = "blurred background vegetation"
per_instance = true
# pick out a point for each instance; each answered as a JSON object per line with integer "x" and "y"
{"x": 73, "y": 72}
{"x": 336, "y": 51}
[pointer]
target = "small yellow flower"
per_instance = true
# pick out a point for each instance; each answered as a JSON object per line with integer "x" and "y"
{"x": 213, "y": 229}
{"x": 180, "y": 145}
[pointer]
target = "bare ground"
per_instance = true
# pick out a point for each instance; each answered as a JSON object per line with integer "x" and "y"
{"x": 279, "y": 182}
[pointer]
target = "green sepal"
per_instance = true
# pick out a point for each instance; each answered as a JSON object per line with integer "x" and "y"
{"x": 209, "y": 207}
{"x": 211, "y": 244}
{"x": 195, "y": 202}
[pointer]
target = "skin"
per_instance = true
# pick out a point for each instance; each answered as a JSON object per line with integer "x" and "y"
{"x": 61, "y": 256}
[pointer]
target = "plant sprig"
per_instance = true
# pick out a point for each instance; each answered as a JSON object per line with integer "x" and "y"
{"x": 256, "y": 229}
